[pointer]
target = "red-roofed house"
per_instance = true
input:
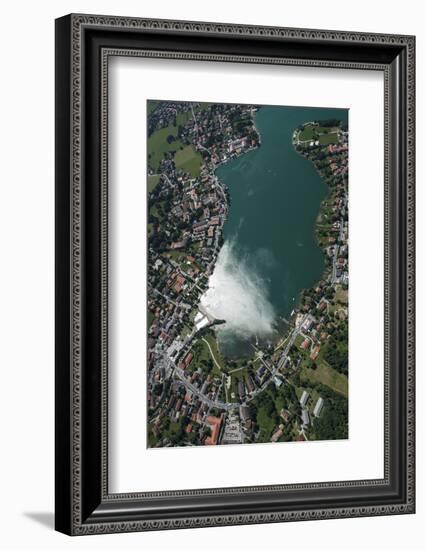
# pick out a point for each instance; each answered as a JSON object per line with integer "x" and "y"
{"x": 304, "y": 345}
{"x": 315, "y": 352}
{"x": 215, "y": 425}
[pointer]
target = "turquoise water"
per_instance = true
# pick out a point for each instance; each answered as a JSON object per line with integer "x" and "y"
{"x": 269, "y": 234}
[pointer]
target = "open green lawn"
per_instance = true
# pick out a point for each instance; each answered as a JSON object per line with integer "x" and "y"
{"x": 211, "y": 339}
{"x": 341, "y": 295}
{"x": 189, "y": 160}
{"x": 326, "y": 139}
{"x": 266, "y": 425}
{"x": 324, "y": 135}
{"x": 158, "y": 145}
{"x": 182, "y": 118}
{"x": 200, "y": 351}
{"x": 307, "y": 133}
{"x": 326, "y": 375}
{"x": 152, "y": 182}
{"x": 202, "y": 354}
{"x": 186, "y": 157}
{"x": 327, "y": 129}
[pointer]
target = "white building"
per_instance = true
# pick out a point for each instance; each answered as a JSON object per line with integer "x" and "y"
{"x": 304, "y": 398}
{"x": 308, "y": 323}
{"x": 277, "y": 381}
{"x": 200, "y": 321}
{"x": 318, "y": 407}
{"x": 305, "y": 417}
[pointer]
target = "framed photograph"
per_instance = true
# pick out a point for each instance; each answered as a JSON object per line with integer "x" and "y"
{"x": 234, "y": 274}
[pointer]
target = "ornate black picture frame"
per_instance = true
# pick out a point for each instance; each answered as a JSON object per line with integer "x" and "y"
{"x": 83, "y": 45}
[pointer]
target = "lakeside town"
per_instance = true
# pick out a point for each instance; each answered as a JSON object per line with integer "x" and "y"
{"x": 293, "y": 388}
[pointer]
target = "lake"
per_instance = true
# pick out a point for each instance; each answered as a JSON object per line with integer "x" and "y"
{"x": 269, "y": 253}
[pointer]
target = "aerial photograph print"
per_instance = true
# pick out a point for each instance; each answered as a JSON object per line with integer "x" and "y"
{"x": 247, "y": 274}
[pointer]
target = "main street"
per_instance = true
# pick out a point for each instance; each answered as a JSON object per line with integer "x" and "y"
{"x": 210, "y": 402}
{"x": 297, "y": 330}
{"x": 289, "y": 345}
{"x": 336, "y": 250}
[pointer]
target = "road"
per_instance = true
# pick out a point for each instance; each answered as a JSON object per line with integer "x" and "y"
{"x": 217, "y": 404}
{"x": 290, "y": 343}
{"x": 336, "y": 251}
{"x": 281, "y": 362}
{"x": 212, "y": 354}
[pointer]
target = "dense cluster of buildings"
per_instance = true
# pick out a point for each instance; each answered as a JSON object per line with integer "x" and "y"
{"x": 186, "y": 216}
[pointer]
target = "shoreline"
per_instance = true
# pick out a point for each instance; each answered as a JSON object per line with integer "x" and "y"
{"x": 318, "y": 218}
{"x": 225, "y": 191}
{"x": 282, "y": 328}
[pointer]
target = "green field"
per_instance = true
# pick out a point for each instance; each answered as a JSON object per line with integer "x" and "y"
{"x": 188, "y": 160}
{"x": 266, "y": 425}
{"x": 324, "y": 135}
{"x": 307, "y": 133}
{"x": 152, "y": 181}
{"x": 182, "y": 118}
{"x": 327, "y": 139}
{"x": 326, "y": 375}
{"x": 211, "y": 339}
{"x": 202, "y": 355}
{"x": 158, "y": 145}
{"x": 186, "y": 157}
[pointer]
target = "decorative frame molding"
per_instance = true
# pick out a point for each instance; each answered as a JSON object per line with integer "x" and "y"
{"x": 84, "y": 44}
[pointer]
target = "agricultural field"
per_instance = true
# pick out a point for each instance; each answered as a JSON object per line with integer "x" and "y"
{"x": 327, "y": 376}
{"x": 307, "y": 133}
{"x": 188, "y": 160}
{"x": 324, "y": 135}
{"x": 182, "y": 118}
{"x": 203, "y": 356}
{"x": 327, "y": 139}
{"x": 152, "y": 181}
{"x": 158, "y": 144}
